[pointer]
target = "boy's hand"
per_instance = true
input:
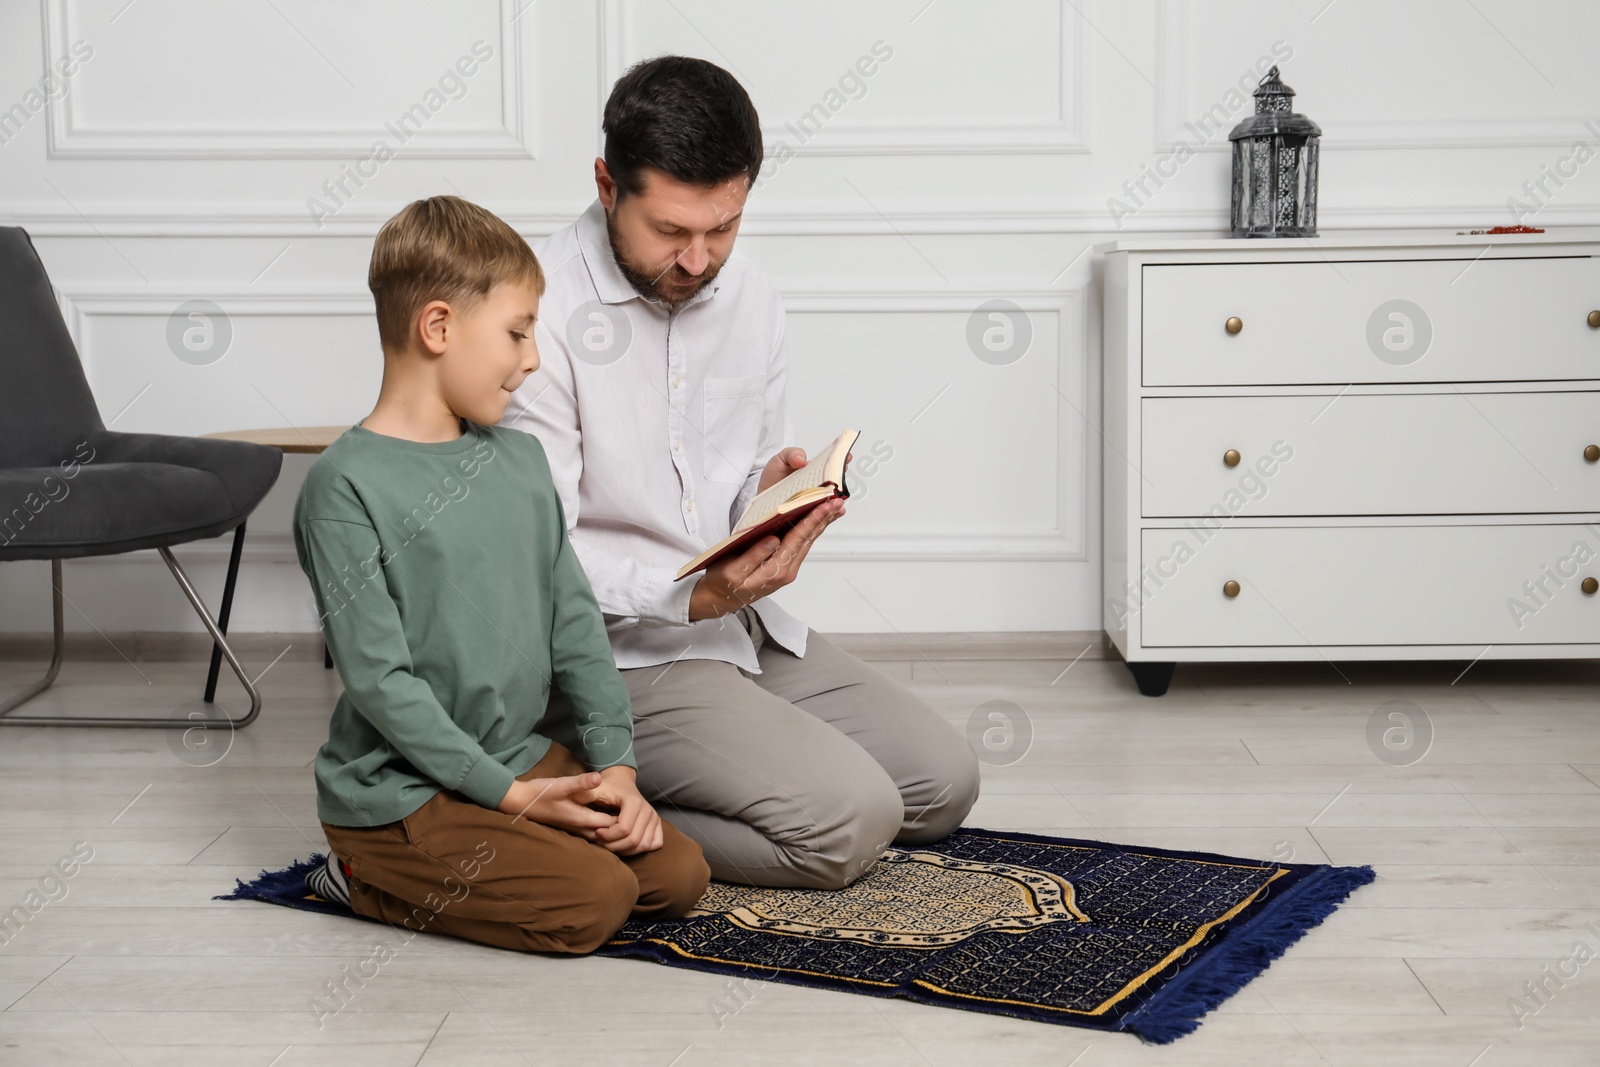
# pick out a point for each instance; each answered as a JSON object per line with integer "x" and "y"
{"x": 637, "y": 827}
{"x": 559, "y": 802}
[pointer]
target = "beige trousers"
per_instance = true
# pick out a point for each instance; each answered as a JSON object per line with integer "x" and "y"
{"x": 800, "y": 775}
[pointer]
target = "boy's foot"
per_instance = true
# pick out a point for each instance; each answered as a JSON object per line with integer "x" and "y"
{"x": 330, "y": 881}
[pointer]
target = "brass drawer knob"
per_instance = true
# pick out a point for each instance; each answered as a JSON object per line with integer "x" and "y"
{"x": 1230, "y": 588}
{"x": 1235, "y": 323}
{"x": 1592, "y": 453}
{"x": 1231, "y": 457}
{"x": 1591, "y": 585}
{"x": 1594, "y": 319}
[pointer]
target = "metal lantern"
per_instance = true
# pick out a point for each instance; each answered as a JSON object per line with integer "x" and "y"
{"x": 1275, "y": 167}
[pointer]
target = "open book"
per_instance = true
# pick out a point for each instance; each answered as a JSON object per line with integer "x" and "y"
{"x": 777, "y": 509}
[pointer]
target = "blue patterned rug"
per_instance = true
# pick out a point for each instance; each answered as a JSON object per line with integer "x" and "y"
{"x": 1079, "y": 933}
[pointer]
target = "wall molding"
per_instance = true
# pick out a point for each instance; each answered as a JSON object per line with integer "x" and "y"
{"x": 817, "y": 219}
{"x": 68, "y": 137}
{"x": 1067, "y": 542}
{"x": 1068, "y": 134}
{"x": 80, "y": 303}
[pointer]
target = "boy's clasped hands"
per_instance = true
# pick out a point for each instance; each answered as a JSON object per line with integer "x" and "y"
{"x": 603, "y": 807}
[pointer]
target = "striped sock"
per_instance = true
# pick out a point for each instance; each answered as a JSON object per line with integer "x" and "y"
{"x": 330, "y": 881}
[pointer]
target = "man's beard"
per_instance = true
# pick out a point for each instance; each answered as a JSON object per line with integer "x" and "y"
{"x": 657, "y": 284}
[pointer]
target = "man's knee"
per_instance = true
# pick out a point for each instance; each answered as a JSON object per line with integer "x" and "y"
{"x": 953, "y": 786}
{"x": 847, "y": 839}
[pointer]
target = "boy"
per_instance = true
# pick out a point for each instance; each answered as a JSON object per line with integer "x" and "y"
{"x": 450, "y": 600}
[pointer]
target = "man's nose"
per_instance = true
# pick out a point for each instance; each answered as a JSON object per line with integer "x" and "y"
{"x": 694, "y": 258}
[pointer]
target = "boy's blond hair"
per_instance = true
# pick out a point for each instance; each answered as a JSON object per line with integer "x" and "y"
{"x": 442, "y": 248}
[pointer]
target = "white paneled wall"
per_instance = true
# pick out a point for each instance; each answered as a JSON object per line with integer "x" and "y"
{"x": 924, "y": 160}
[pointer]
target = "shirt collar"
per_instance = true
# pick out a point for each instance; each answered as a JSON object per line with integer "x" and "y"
{"x": 609, "y": 284}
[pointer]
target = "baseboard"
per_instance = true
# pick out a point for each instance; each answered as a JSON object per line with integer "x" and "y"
{"x": 1030, "y": 644}
{"x": 142, "y": 646}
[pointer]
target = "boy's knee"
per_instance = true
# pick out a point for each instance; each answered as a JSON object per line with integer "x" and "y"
{"x": 673, "y": 878}
{"x": 607, "y": 892}
{"x": 687, "y": 878}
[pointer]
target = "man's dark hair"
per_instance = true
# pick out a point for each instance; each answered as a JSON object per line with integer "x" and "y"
{"x": 684, "y": 116}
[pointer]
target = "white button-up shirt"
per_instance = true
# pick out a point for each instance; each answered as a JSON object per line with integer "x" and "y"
{"x": 657, "y": 424}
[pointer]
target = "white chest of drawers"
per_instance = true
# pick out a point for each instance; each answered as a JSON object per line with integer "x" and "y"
{"x": 1363, "y": 446}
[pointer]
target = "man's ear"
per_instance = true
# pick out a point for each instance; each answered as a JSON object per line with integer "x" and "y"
{"x": 433, "y": 326}
{"x": 604, "y": 184}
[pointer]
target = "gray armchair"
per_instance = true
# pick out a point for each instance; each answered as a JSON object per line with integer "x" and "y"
{"x": 69, "y": 487}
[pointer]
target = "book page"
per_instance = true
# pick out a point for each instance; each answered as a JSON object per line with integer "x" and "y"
{"x": 811, "y": 476}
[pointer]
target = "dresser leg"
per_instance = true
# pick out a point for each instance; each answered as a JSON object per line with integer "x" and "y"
{"x": 1152, "y": 678}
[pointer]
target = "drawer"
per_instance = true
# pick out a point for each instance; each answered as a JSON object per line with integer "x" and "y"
{"x": 1496, "y": 319}
{"x": 1397, "y": 454}
{"x": 1370, "y": 585}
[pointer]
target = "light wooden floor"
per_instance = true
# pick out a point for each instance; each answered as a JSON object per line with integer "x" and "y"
{"x": 1488, "y": 851}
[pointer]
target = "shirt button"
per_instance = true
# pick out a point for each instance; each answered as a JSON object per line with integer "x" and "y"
{"x": 677, "y": 382}
{"x": 689, "y": 506}
{"x": 677, "y": 446}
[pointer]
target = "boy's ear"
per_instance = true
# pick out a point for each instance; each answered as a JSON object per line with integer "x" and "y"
{"x": 433, "y": 326}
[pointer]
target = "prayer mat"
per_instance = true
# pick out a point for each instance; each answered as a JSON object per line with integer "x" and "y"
{"x": 1057, "y": 930}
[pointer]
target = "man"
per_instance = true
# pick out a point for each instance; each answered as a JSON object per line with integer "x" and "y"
{"x": 661, "y": 408}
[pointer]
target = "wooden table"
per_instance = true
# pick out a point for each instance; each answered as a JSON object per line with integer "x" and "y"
{"x": 300, "y": 440}
{"x": 294, "y": 440}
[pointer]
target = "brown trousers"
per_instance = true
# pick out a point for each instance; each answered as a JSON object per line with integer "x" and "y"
{"x": 455, "y": 867}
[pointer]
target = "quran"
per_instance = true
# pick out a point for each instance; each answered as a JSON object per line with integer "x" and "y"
{"x": 777, "y": 509}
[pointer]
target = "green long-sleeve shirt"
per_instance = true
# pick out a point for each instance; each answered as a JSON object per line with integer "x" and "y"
{"x": 450, "y": 599}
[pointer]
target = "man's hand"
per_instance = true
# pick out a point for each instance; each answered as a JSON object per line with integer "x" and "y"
{"x": 784, "y": 464}
{"x": 637, "y": 827}
{"x": 762, "y": 569}
{"x": 780, "y": 467}
{"x": 559, "y": 802}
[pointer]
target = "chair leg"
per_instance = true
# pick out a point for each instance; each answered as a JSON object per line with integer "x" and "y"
{"x": 55, "y": 655}
{"x": 7, "y": 719}
{"x": 224, "y": 611}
